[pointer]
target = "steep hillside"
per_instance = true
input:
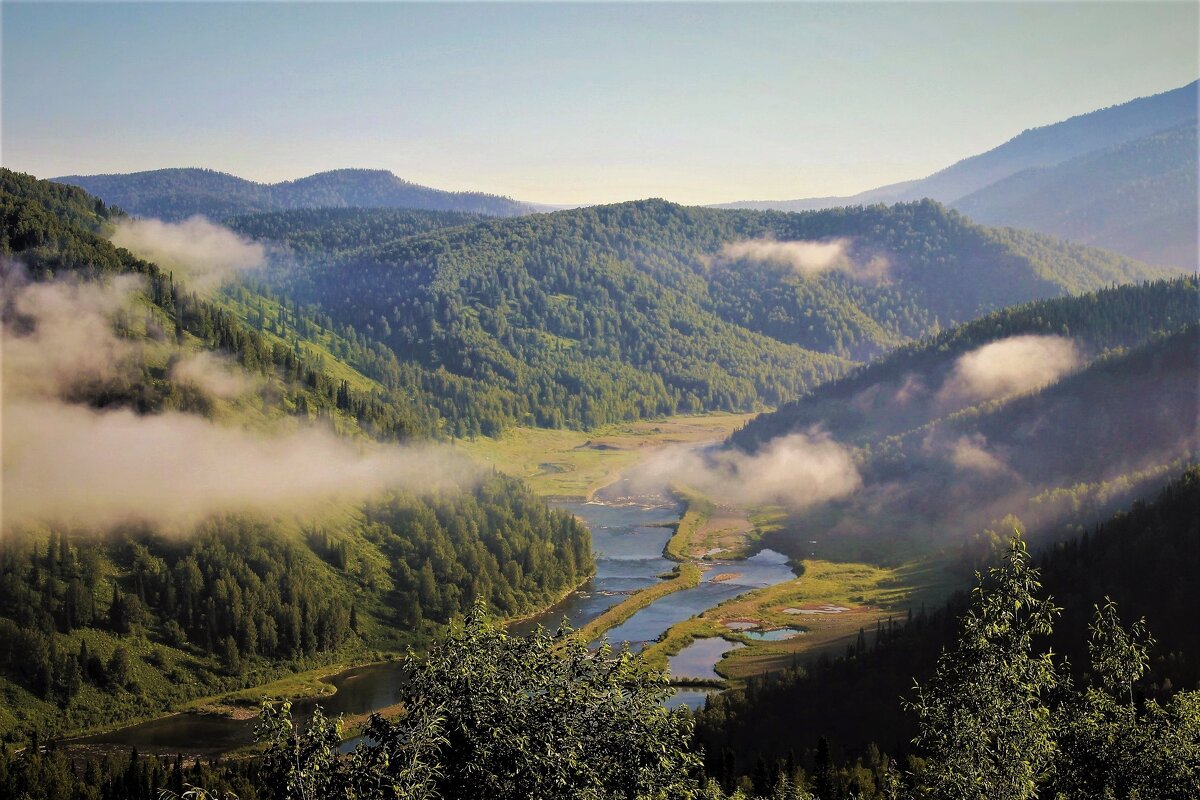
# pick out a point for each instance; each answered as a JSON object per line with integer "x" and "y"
{"x": 871, "y": 403}
{"x": 1137, "y": 198}
{"x": 193, "y": 500}
{"x": 51, "y": 230}
{"x": 593, "y": 315}
{"x": 1046, "y": 411}
{"x": 175, "y": 194}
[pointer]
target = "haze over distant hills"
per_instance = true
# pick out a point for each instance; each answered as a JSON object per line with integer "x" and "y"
{"x": 174, "y": 194}
{"x": 1122, "y": 177}
{"x": 1136, "y": 198}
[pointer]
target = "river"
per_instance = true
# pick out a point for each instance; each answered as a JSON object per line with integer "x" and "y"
{"x": 628, "y": 536}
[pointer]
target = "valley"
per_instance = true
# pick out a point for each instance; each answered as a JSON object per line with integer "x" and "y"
{"x": 631, "y": 537}
{"x": 350, "y": 486}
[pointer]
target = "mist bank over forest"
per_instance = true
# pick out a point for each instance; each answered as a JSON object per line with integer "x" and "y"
{"x": 1050, "y": 411}
{"x": 1122, "y": 178}
{"x": 176, "y": 194}
{"x": 390, "y": 325}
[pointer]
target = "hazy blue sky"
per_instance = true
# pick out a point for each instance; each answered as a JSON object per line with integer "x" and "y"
{"x": 569, "y": 102}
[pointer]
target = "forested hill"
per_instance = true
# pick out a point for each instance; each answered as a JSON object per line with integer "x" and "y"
{"x": 1051, "y": 411}
{"x": 50, "y": 229}
{"x": 175, "y": 194}
{"x": 861, "y": 407}
{"x": 1143, "y": 558}
{"x": 182, "y": 553}
{"x": 318, "y": 232}
{"x": 675, "y": 308}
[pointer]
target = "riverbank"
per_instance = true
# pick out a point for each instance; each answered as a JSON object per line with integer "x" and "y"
{"x": 300, "y": 685}
{"x": 686, "y": 576}
{"x": 352, "y": 694}
{"x": 697, "y": 510}
{"x": 566, "y": 593}
{"x": 242, "y": 704}
{"x": 597, "y": 459}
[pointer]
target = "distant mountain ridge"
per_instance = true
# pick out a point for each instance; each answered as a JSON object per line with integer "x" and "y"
{"x": 1108, "y": 133}
{"x": 175, "y": 194}
{"x": 1130, "y": 198}
{"x": 1053, "y": 144}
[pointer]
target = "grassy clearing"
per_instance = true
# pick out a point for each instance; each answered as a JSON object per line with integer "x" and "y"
{"x": 686, "y": 576}
{"x": 574, "y": 464}
{"x": 868, "y": 593}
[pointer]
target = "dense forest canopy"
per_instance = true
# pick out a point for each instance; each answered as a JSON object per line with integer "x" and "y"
{"x": 591, "y": 316}
{"x": 997, "y": 711}
{"x": 316, "y": 232}
{"x": 1054, "y": 410}
{"x": 1106, "y": 321}
{"x": 595, "y": 315}
{"x": 394, "y": 325}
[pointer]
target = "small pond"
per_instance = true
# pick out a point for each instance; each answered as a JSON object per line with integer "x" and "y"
{"x": 777, "y": 635}
{"x": 699, "y": 658}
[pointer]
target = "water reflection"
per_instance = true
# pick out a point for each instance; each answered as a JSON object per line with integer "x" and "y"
{"x": 628, "y": 536}
{"x": 777, "y": 635}
{"x": 359, "y": 691}
{"x": 690, "y": 697}
{"x": 699, "y": 659}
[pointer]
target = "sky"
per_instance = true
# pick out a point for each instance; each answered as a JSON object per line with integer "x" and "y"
{"x": 569, "y": 102}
